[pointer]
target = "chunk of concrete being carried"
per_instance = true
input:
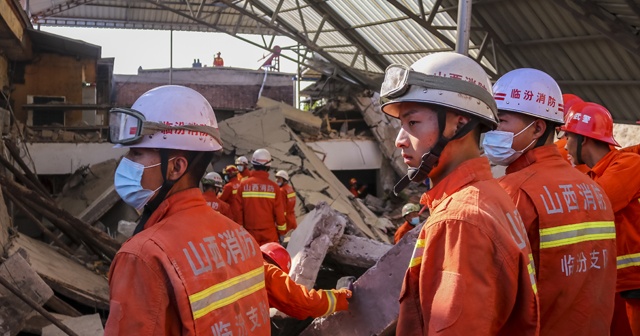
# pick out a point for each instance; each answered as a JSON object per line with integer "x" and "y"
{"x": 320, "y": 229}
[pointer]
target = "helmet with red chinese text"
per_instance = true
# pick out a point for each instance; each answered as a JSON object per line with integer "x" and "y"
{"x": 591, "y": 120}
{"x": 277, "y": 254}
{"x": 167, "y": 117}
{"x": 446, "y": 79}
{"x": 531, "y": 92}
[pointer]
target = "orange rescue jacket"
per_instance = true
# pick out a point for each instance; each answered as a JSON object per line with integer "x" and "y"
{"x": 402, "y": 230}
{"x": 229, "y": 192}
{"x": 298, "y": 302}
{"x": 191, "y": 271}
{"x": 261, "y": 207}
{"x": 217, "y": 204}
{"x": 619, "y": 175}
{"x": 631, "y": 149}
{"x": 289, "y": 201}
{"x": 571, "y": 230}
{"x": 470, "y": 272}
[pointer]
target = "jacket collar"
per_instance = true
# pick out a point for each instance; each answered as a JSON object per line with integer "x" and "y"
{"x": 530, "y": 157}
{"x": 470, "y": 171}
{"x": 603, "y": 164}
{"x": 182, "y": 200}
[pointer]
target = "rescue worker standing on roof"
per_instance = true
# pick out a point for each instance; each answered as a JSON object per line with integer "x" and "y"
{"x": 211, "y": 187}
{"x": 589, "y": 129}
{"x": 568, "y": 218}
{"x": 288, "y": 199}
{"x": 291, "y": 298}
{"x": 411, "y": 219}
{"x": 470, "y": 271}
{"x": 260, "y": 202}
{"x": 179, "y": 274}
{"x": 230, "y": 191}
{"x": 243, "y": 168}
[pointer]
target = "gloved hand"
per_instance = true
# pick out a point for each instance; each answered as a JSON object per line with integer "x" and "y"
{"x": 341, "y": 298}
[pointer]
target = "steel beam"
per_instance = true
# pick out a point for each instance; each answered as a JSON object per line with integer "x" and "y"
{"x": 354, "y": 37}
{"x": 464, "y": 27}
{"x": 567, "y": 39}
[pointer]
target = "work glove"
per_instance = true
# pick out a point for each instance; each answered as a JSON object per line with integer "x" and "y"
{"x": 341, "y": 298}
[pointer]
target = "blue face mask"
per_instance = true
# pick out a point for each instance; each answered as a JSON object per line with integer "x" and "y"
{"x": 241, "y": 168}
{"x": 127, "y": 182}
{"x": 415, "y": 221}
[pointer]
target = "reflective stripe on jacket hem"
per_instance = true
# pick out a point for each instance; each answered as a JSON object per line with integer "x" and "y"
{"x": 628, "y": 260}
{"x": 258, "y": 194}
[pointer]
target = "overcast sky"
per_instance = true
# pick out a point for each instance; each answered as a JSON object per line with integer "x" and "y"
{"x": 150, "y": 48}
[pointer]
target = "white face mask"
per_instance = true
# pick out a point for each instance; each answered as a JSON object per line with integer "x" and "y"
{"x": 497, "y": 146}
{"x": 241, "y": 168}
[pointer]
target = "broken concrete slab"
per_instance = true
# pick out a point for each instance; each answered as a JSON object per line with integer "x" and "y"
{"x": 100, "y": 206}
{"x": 87, "y": 325}
{"x": 14, "y": 312}
{"x": 36, "y": 322}
{"x": 64, "y": 275}
{"x": 385, "y": 129}
{"x": 320, "y": 229}
{"x": 85, "y": 185}
{"x": 358, "y": 251}
{"x": 374, "y": 305}
{"x": 298, "y": 120}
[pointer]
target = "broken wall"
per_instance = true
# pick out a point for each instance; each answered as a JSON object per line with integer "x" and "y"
{"x": 54, "y": 75}
{"x": 626, "y": 135}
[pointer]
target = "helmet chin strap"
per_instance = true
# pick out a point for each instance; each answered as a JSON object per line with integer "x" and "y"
{"x": 167, "y": 185}
{"x": 430, "y": 159}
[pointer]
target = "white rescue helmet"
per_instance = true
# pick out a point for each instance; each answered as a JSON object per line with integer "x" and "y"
{"x": 531, "y": 92}
{"x": 167, "y": 117}
{"x": 435, "y": 81}
{"x": 261, "y": 157}
{"x": 213, "y": 179}
{"x": 283, "y": 174}
{"x": 242, "y": 160}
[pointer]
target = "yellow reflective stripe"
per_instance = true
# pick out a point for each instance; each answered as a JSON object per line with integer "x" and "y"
{"x": 234, "y": 192}
{"x": 532, "y": 277}
{"x": 576, "y": 233}
{"x": 291, "y": 195}
{"x": 415, "y": 261}
{"x": 281, "y": 227}
{"x": 419, "y": 243}
{"x": 332, "y": 303}
{"x": 226, "y": 292}
{"x": 258, "y": 194}
{"x": 628, "y": 260}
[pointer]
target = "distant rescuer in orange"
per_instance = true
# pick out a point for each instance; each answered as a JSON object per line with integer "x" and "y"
{"x": 211, "y": 186}
{"x": 229, "y": 192}
{"x": 568, "y": 218}
{"x": 589, "y": 129}
{"x": 288, "y": 199}
{"x": 291, "y": 298}
{"x": 243, "y": 168}
{"x": 470, "y": 271}
{"x": 260, "y": 202}
{"x": 411, "y": 219}
{"x": 187, "y": 270}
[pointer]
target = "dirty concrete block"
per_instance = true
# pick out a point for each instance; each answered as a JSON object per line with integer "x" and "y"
{"x": 47, "y": 133}
{"x": 306, "y": 182}
{"x": 55, "y": 136}
{"x": 375, "y": 296}
{"x": 68, "y": 136}
{"x": 88, "y": 325}
{"x": 373, "y": 201}
{"x": 358, "y": 251}
{"x": 320, "y": 229}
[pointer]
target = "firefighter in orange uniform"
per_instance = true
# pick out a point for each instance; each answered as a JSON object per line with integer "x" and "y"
{"x": 289, "y": 199}
{"x": 589, "y": 129}
{"x": 229, "y": 192}
{"x": 212, "y": 185}
{"x": 411, "y": 219}
{"x": 470, "y": 271}
{"x": 569, "y": 220}
{"x": 291, "y": 298}
{"x": 187, "y": 270}
{"x": 243, "y": 168}
{"x": 261, "y": 206}
{"x": 631, "y": 149}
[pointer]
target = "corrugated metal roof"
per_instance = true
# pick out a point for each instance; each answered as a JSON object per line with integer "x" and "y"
{"x": 591, "y": 47}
